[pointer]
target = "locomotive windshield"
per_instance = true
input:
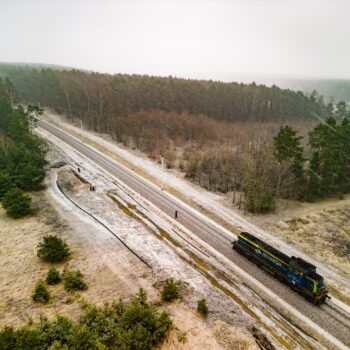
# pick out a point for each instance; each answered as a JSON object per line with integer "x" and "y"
{"x": 320, "y": 283}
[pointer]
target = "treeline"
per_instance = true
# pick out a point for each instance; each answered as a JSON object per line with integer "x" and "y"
{"x": 220, "y": 135}
{"x": 323, "y": 170}
{"x": 98, "y": 99}
{"x": 289, "y": 167}
{"x": 258, "y": 162}
{"x": 21, "y": 152}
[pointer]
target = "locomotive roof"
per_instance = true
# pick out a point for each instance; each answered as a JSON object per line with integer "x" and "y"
{"x": 273, "y": 251}
{"x": 315, "y": 276}
{"x": 302, "y": 265}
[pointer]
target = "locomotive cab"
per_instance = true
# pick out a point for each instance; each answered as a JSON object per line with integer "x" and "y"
{"x": 303, "y": 276}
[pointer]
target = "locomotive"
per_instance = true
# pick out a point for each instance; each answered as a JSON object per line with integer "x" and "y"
{"x": 296, "y": 272}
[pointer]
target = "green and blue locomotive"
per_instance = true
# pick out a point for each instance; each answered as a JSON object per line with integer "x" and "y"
{"x": 296, "y": 272}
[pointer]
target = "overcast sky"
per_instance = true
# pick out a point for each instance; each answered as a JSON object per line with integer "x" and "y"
{"x": 208, "y": 39}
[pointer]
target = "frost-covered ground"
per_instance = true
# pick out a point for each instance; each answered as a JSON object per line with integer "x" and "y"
{"x": 169, "y": 259}
{"x": 218, "y": 207}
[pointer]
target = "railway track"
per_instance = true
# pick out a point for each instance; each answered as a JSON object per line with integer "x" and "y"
{"x": 341, "y": 317}
{"x": 330, "y": 319}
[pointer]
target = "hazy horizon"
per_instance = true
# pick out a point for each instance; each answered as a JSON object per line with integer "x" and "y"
{"x": 283, "y": 81}
{"x": 218, "y": 40}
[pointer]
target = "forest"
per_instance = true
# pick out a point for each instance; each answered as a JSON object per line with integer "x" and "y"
{"x": 257, "y": 142}
{"x": 21, "y": 152}
{"x": 98, "y": 98}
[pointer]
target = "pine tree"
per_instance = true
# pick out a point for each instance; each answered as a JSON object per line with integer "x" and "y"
{"x": 330, "y": 161}
{"x": 340, "y": 110}
{"x": 289, "y": 153}
{"x": 16, "y": 202}
{"x": 345, "y": 154}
